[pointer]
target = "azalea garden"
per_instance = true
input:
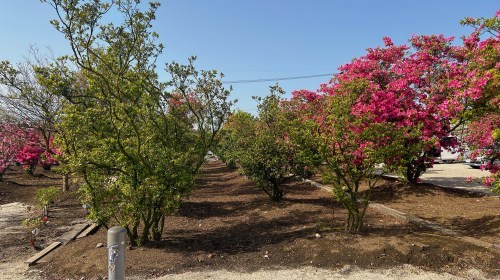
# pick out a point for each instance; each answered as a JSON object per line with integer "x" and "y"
{"x": 135, "y": 145}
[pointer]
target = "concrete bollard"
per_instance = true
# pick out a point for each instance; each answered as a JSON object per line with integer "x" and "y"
{"x": 116, "y": 253}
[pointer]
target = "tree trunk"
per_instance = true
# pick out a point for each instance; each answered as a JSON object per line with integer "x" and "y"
{"x": 65, "y": 186}
{"x": 277, "y": 194}
{"x": 132, "y": 234}
{"x": 354, "y": 222}
{"x": 414, "y": 169}
{"x": 30, "y": 169}
{"x": 158, "y": 228}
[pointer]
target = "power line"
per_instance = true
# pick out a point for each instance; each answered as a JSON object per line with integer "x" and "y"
{"x": 276, "y": 79}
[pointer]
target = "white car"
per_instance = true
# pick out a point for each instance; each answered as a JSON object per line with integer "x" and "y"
{"x": 447, "y": 155}
{"x": 483, "y": 158}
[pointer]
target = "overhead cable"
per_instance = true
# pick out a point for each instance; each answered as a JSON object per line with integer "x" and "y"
{"x": 276, "y": 79}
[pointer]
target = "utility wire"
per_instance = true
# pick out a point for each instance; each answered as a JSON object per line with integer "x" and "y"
{"x": 275, "y": 79}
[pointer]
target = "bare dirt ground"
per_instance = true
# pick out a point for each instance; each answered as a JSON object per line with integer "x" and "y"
{"x": 470, "y": 214}
{"x": 228, "y": 229}
{"x": 17, "y": 195}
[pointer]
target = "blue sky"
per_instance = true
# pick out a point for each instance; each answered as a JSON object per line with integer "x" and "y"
{"x": 259, "y": 39}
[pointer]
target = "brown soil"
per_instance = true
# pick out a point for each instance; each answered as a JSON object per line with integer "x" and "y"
{"x": 17, "y": 186}
{"x": 471, "y": 214}
{"x": 228, "y": 223}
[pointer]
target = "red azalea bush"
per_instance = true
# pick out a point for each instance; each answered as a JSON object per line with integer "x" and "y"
{"x": 23, "y": 144}
{"x": 10, "y": 143}
{"x": 483, "y": 56}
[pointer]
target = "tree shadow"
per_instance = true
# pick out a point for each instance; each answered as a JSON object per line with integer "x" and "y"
{"x": 484, "y": 226}
{"x": 248, "y": 236}
{"x": 247, "y": 220}
{"x": 395, "y": 190}
{"x": 210, "y": 209}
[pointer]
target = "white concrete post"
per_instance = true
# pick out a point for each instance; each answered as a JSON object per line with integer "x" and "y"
{"x": 116, "y": 253}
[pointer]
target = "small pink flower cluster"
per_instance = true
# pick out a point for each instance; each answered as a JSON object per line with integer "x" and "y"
{"x": 488, "y": 181}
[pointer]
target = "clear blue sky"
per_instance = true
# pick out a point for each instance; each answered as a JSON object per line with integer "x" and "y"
{"x": 258, "y": 39}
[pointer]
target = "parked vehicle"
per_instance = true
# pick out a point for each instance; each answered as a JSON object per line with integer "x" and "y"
{"x": 448, "y": 150}
{"x": 475, "y": 163}
{"x": 482, "y": 157}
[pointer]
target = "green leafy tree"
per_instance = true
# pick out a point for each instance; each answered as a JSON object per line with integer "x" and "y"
{"x": 270, "y": 158}
{"x": 200, "y": 100}
{"x": 236, "y": 136}
{"x": 136, "y": 142}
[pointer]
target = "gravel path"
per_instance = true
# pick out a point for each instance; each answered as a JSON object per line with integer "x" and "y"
{"x": 310, "y": 273}
{"x": 11, "y": 217}
{"x": 18, "y": 271}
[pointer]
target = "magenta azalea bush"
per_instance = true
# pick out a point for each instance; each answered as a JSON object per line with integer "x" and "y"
{"x": 22, "y": 144}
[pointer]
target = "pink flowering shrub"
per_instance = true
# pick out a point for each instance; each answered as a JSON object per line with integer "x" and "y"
{"x": 23, "y": 144}
{"x": 483, "y": 57}
{"x": 29, "y": 153}
{"x": 393, "y": 106}
{"x": 48, "y": 157}
{"x": 47, "y": 160}
{"x": 417, "y": 88}
{"x": 10, "y": 143}
{"x": 349, "y": 140}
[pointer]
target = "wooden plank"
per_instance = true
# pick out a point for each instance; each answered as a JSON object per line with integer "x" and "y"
{"x": 74, "y": 232}
{"x": 42, "y": 253}
{"x": 88, "y": 231}
{"x": 389, "y": 211}
{"x": 407, "y": 217}
{"x": 318, "y": 185}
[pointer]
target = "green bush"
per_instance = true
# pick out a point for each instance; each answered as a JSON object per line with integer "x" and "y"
{"x": 46, "y": 197}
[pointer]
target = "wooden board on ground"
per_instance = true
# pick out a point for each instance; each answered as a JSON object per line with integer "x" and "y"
{"x": 42, "y": 253}
{"x": 407, "y": 217}
{"x": 73, "y": 233}
{"x": 87, "y": 231}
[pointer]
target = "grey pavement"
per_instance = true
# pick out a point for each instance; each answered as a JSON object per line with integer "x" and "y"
{"x": 455, "y": 175}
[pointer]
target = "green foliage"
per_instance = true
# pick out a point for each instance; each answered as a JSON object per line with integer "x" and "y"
{"x": 235, "y": 137}
{"x": 46, "y": 197}
{"x": 32, "y": 223}
{"x": 416, "y": 157}
{"x": 495, "y": 187}
{"x": 32, "y": 226}
{"x": 136, "y": 142}
{"x": 262, "y": 147}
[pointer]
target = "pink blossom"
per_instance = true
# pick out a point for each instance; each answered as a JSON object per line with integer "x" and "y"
{"x": 488, "y": 181}
{"x": 388, "y": 42}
